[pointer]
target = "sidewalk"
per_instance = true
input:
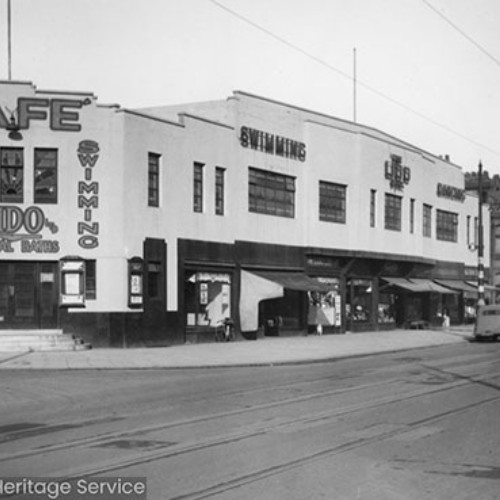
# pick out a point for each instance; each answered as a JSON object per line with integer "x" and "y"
{"x": 263, "y": 352}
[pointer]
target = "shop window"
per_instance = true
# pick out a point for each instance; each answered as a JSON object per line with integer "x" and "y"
{"x": 387, "y": 308}
{"x": 271, "y": 193}
{"x": 446, "y": 226}
{"x": 219, "y": 190}
{"x": 45, "y": 176}
{"x": 198, "y": 187}
{"x": 332, "y": 202}
{"x": 359, "y": 300}
{"x": 11, "y": 175}
{"x": 207, "y": 298}
{"x": 427, "y": 221}
{"x": 393, "y": 212}
{"x": 153, "y": 180}
{"x": 90, "y": 280}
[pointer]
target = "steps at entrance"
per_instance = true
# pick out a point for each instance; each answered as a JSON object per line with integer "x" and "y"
{"x": 39, "y": 340}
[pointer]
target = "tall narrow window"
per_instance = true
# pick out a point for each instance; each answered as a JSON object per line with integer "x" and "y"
{"x": 198, "y": 187}
{"x": 332, "y": 202}
{"x": 393, "y": 212}
{"x": 427, "y": 221}
{"x": 219, "y": 190}
{"x": 373, "y": 207}
{"x": 153, "y": 180}
{"x": 11, "y": 175}
{"x": 412, "y": 216}
{"x": 476, "y": 231}
{"x": 45, "y": 177}
{"x": 90, "y": 280}
{"x": 468, "y": 230}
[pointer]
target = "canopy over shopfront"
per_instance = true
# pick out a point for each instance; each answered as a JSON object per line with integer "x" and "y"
{"x": 261, "y": 285}
{"x": 418, "y": 285}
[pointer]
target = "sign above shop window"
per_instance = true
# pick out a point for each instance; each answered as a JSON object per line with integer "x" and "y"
{"x": 396, "y": 173}
{"x": 272, "y": 144}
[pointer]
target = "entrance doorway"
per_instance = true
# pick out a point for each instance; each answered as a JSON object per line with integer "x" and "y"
{"x": 28, "y": 295}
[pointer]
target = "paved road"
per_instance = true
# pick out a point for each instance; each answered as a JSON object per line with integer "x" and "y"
{"x": 411, "y": 425}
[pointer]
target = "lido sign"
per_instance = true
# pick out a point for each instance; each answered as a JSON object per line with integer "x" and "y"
{"x": 62, "y": 114}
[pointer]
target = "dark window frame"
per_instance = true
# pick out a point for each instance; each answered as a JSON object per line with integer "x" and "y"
{"x": 45, "y": 168}
{"x": 198, "y": 181}
{"x": 154, "y": 179}
{"x": 219, "y": 190}
{"x": 393, "y": 212}
{"x": 271, "y": 193}
{"x": 332, "y": 202}
{"x": 11, "y": 175}
{"x": 446, "y": 226}
{"x": 427, "y": 220}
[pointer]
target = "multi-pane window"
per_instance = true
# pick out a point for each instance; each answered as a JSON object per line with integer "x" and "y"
{"x": 219, "y": 191}
{"x": 412, "y": 215}
{"x": 468, "y": 230}
{"x": 153, "y": 180}
{"x": 393, "y": 212}
{"x": 427, "y": 221}
{"x": 45, "y": 178}
{"x": 198, "y": 187}
{"x": 11, "y": 175}
{"x": 446, "y": 226}
{"x": 271, "y": 193}
{"x": 373, "y": 207}
{"x": 332, "y": 202}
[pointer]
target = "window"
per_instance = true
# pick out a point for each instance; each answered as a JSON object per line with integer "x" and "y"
{"x": 11, "y": 175}
{"x": 393, "y": 212}
{"x": 45, "y": 178}
{"x": 373, "y": 207}
{"x": 219, "y": 191}
{"x": 198, "y": 187}
{"x": 332, "y": 202}
{"x": 412, "y": 216}
{"x": 427, "y": 221}
{"x": 446, "y": 226}
{"x": 468, "y": 230}
{"x": 90, "y": 280}
{"x": 271, "y": 193}
{"x": 153, "y": 180}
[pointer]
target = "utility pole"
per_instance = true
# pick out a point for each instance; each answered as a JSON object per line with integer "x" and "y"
{"x": 480, "y": 246}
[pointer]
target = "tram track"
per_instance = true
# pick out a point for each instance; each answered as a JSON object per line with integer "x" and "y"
{"x": 259, "y": 429}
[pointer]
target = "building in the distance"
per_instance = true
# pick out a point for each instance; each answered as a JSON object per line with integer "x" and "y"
{"x": 148, "y": 227}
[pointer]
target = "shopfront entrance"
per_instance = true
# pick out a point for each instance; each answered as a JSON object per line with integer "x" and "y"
{"x": 28, "y": 295}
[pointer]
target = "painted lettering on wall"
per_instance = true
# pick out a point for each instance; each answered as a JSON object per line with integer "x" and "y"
{"x": 396, "y": 173}
{"x": 24, "y": 227}
{"x": 62, "y": 113}
{"x": 88, "y": 194}
{"x": 272, "y": 144}
{"x": 450, "y": 192}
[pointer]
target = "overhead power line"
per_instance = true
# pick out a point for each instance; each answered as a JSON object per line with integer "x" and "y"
{"x": 462, "y": 32}
{"x": 327, "y": 65}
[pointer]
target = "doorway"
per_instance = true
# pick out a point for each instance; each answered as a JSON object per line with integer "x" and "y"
{"x": 28, "y": 295}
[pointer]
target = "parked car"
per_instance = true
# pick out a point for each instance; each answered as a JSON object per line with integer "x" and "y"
{"x": 487, "y": 325}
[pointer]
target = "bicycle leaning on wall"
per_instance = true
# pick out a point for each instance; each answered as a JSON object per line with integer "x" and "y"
{"x": 224, "y": 330}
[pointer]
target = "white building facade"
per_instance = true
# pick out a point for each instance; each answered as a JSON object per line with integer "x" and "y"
{"x": 149, "y": 227}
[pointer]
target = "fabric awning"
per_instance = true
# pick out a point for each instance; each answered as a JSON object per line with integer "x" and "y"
{"x": 418, "y": 285}
{"x": 486, "y": 287}
{"x": 458, "y": 285}
{"x": 429, "y": 286}
{"x": 295, "y": 281}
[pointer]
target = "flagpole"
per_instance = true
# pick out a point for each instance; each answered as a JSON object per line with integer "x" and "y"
{"x": 9, "y": 36}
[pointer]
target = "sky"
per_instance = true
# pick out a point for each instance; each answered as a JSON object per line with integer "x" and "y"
{"x": 427, "y": 71}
